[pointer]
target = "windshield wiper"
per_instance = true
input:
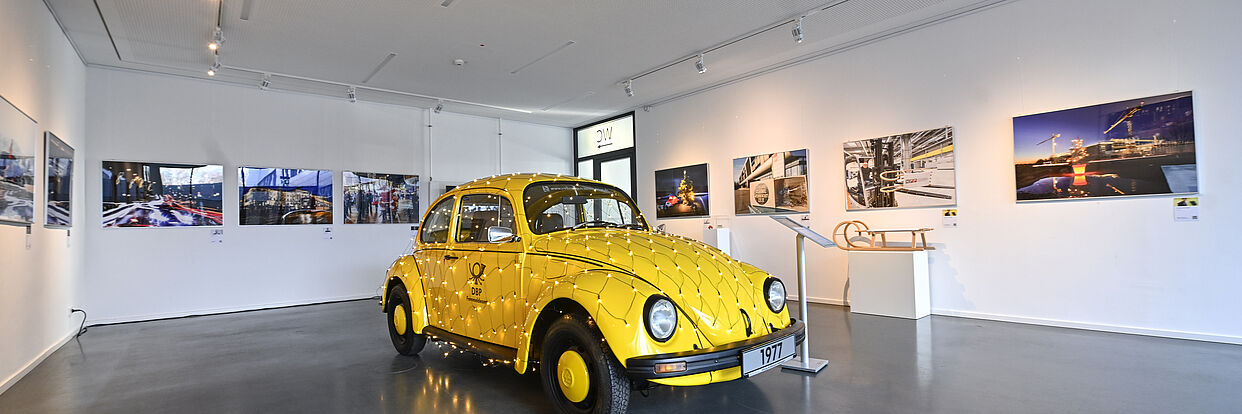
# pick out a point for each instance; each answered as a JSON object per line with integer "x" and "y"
{"x": 602, "y": 223}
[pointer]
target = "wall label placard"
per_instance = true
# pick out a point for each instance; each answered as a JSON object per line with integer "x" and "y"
{"x": 948, "y": 217}
{"x": 1186, "y": 209}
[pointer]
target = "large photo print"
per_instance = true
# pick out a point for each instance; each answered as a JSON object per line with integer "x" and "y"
{"x": 17, "y": 162}
{"x": 380, "y": 198}
{"x": 906, "y": 170}
{"x": 284, "y": 196}
{"x": 143, "y": 194}
{"x": 59, "y": 182}
{"x": 682, "y": 192}
{"x": 1136, "y": 147}
{"x": 771, "y": 183}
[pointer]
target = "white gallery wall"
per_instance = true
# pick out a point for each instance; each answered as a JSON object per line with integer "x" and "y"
{"x": 42, "y": 75}
{"x": 516, "y": 147}
{"x": 1114, "y": 264}
{"x": 141, "y": 274}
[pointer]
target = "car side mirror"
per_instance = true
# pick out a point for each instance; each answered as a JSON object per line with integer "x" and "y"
{"x": 501, "y": 234}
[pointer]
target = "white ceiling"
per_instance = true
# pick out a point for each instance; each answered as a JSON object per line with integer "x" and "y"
{"x": 323, "y": 46}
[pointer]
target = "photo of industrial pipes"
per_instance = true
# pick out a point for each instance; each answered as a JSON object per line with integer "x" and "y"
{"x": 906, "y": 170}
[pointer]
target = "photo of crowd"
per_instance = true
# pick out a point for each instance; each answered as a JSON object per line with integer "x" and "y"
{"x": 380, "y": 198}
{"x": 271, "y": 196}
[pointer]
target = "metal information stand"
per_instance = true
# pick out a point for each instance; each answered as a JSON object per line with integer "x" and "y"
{"x": 804, "y": 363}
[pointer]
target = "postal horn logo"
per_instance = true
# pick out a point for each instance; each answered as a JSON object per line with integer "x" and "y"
{"x": 761, "y": 193}
{"x": 476, "y": 272}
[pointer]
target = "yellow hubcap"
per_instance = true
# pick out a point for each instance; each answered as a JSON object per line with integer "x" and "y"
{"x": 398, "y": 319}
{"x": 571, "y": 373}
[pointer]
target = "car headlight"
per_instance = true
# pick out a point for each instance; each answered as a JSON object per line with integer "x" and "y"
{"x": 774, "y": 292}
{"x": 661, "y": 318}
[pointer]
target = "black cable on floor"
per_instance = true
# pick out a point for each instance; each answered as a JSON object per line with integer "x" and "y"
{"x": 82, "y": 327}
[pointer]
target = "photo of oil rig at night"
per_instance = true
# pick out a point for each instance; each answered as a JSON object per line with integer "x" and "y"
{"x": 1136, "y": 147}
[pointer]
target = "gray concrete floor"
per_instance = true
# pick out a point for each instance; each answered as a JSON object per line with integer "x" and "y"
{"x": 336, "y": 358}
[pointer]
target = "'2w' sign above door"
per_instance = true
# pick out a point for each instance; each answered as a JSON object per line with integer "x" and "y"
{"x": 607, "y": 136}
{"x": 603, "y": 137}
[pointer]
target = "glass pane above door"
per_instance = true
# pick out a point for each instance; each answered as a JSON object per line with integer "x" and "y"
{"x": 586, "y": 169}
{"x": 616, "y": 172}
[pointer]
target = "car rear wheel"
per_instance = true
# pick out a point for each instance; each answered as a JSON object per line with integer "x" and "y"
{"x": 400, "y": 323}
{"x": 579, "y": 372}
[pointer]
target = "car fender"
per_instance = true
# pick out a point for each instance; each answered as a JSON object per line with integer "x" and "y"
{"x": 615, "y": 303}
{"x": 758, "y": 276}
{"x": 405, "y": 270}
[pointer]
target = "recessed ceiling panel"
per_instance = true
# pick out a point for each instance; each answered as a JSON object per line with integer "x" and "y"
{"x": 161, "y": 32}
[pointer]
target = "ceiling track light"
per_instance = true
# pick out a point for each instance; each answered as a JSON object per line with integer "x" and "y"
{"x": 439, "y": 106}
{"x": 797, "y": 31}
{"x": 352, "y": 92}
{"x": 783, "y": 24}
{"x": 211, "y": 71}
{"x": 217, "y": 39}
{"x": 629, "y": 88}
{"x": 266, "y": 83}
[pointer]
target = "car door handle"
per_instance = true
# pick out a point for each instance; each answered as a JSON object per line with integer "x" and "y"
{"x": 450, "y": 257}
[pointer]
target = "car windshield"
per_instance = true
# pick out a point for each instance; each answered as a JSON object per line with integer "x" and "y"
{"x": 554, "y": 206}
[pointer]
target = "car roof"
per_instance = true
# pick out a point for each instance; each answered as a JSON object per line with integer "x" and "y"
{"x": 517, "y": 182}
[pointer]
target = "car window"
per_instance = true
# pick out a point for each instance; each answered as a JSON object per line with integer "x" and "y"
{"x": 478, "y": 212}
{"x": 610, "y": 210}
{"x": 554, "y": 206}
{"x": 436, "y": 226}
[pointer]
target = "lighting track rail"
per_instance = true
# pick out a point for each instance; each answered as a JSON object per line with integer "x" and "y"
{"x": 698, "y": 55}
{"x": 939, "y": 18}
{"x": 266, "y": 83}
{"x": 368, "y": 88}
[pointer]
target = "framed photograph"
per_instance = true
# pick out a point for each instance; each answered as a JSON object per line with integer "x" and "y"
{"x": 906, "y": 170}
{"x": 771, "y": 184}
{"x": 682, "y": 192}
{"x": 1136, "y": 147}
{"x": 59, "y": 185}
{"x": 148, "y": 194}
{"x": 279, "y": 196}
{"x": 380, "y": 198}
{"x": 18, "y": 136}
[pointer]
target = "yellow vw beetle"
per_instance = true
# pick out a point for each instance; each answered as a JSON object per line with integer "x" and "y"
{"x": 562, "y": 275}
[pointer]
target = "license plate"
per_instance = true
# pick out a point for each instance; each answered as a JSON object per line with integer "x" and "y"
{"x": 763, "y": 357}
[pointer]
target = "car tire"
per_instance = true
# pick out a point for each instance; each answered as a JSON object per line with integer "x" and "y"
{"x": 608, "y": 389}
{"x": 400, "y": 323}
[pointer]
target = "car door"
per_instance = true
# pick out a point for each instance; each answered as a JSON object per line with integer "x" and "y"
{"x": 486, "y": 271}
{"x": 433, "y": 258}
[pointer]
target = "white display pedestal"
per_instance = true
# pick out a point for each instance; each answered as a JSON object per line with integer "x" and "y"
{"x": 719, "y": 238}
{"x": 890, "y": 284}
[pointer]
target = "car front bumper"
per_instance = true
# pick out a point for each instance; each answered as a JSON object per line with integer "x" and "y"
{"x": 708, "y": 359}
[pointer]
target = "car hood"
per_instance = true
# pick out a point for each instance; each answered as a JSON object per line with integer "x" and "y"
{"x": 709, "y": 288}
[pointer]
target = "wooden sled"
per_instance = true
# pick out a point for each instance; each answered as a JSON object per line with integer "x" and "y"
{"x": 863, "y": 238}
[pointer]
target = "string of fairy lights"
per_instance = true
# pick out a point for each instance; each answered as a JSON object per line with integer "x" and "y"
{"x": 665, "y": 256}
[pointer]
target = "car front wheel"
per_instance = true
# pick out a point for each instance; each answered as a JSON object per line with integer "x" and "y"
{"x": 579, "y": 372}
{"x": 400, "y": 323}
